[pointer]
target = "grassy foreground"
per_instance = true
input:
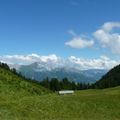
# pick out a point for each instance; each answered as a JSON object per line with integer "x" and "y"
{"x": 83, "y": 105}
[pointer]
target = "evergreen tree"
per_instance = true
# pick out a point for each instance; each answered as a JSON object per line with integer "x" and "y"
{"x": 54, "y": 84}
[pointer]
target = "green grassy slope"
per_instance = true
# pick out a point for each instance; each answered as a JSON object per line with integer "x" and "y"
{"x": 11, "y": 84}
{"x": 25, "y": 100}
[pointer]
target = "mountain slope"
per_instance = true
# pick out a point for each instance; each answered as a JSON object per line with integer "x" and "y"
{"x": 111, "y": 79}
{"x": 40, "y": 71}
{"x": 11, "y": 83}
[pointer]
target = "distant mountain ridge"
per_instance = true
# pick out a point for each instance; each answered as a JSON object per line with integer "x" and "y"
{"x": 41, "y": 70}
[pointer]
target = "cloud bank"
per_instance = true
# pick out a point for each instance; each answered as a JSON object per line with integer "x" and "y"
{"x": 102, "y": 62}
{"x": 27, "y": 59}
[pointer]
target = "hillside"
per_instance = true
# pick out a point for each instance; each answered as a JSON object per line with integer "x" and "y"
{"x": 12, "y": 83}
{"x": 111, "y": 79}
{"x": 83, "y": 105}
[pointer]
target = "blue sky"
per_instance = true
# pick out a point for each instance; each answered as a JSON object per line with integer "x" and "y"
{"x": 47, "y": 26}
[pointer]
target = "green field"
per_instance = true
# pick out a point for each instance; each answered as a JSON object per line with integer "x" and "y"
{"x": 21, "y": 99}
{"x": 83, "y": 105}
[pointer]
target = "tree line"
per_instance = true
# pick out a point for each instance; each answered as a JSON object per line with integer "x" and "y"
{"x": 55, "y": 85}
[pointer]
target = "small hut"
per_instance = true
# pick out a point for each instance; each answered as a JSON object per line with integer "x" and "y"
{"x": 63, "y": 92}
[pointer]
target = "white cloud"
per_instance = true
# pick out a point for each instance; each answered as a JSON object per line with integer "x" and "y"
{"x": 101, "y": 63}
{"x": 108, "y": 26}
{"x": 54, "y": 61}
{"x": 108, "y": 38}
{"x": 52, "y": 57}
{"x": 78, "y": 42}
{"x": 27, "y": 59}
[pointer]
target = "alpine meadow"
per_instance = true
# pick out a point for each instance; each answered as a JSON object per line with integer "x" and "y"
{"x": 59, "y": 60}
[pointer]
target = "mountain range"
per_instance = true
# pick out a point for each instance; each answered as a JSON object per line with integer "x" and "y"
{"x": 41, "y": 70}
